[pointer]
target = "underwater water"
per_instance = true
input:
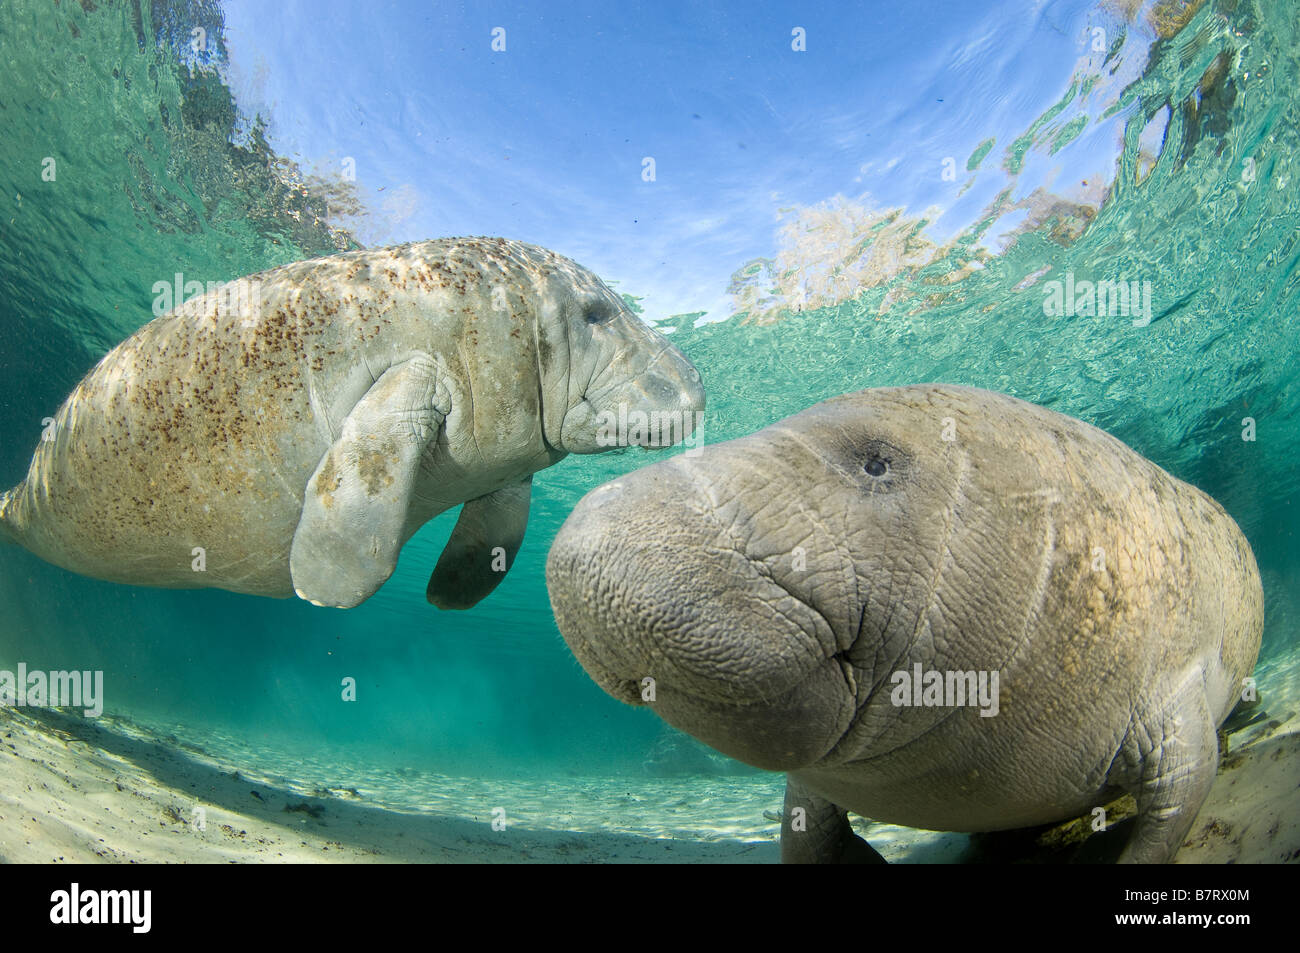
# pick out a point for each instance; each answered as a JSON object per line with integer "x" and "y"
{"x": 889, "y": 205}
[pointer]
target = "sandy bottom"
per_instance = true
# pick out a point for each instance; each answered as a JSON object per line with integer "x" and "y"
{"x": 111, "y": 790}
{"x": 75, "y": 790}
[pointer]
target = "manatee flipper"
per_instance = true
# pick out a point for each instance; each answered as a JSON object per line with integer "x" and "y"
{"x": 482, "y": 547}
{"x": 355, "y": 507}
{"x": 826, "y": 837}
{"x": 8, "y": 532}
{"x": 1177, "y": 775}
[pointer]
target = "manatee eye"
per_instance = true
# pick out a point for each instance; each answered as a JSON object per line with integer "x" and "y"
{"x": 885, "y": 464}
{"x": 598, "y": 315}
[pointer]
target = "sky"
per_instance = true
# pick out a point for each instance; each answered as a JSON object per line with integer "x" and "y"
{"x": 546, "y": 140}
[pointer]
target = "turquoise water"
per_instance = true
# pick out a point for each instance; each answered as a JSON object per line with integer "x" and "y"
{"x": 1170, "y": 157}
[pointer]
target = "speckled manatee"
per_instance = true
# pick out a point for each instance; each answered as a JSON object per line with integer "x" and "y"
{"x": 289, "y": 432}
{"x": 933, "y": 606}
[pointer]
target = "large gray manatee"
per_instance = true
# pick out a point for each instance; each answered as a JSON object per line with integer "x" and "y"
{"x": 793, "y": 592}
{"x": 289, "y": 432}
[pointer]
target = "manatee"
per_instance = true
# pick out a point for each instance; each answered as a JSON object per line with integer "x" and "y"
{"x": 289, "y": 432}
{"x": 790, "y": 594}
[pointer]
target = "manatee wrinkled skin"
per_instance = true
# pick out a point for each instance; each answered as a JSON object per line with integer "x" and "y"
{"x": 773, "y": 586}
{"x": 289, "y": 432}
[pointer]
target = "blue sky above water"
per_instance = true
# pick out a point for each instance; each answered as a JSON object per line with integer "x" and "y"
{"x": 545, "y": 141}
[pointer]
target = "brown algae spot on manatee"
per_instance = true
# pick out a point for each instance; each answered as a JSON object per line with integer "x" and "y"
{"x": 328, "y": 482}
{"x": 372, "y": 466}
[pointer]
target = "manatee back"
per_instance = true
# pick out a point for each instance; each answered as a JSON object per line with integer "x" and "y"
{"x": 1141, "y": 575}
{"x": 204, "y": 426}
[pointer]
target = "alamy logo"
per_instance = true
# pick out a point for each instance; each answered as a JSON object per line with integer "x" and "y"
{"x": 655, "y": 428}
{"x": 242, "y": 297}
{"x": 1103, "y": 299}
{"x": 103, "y": 906}
{"x": 936, "y": 689}
{"x": 60, "y": 689}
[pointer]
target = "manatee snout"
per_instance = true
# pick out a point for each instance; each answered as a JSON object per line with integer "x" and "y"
{"x": 594, "y": 572}
{"x": 662, "y": 609}
{"x": 647, "y": 393}
{"x": 671, "y": 394}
